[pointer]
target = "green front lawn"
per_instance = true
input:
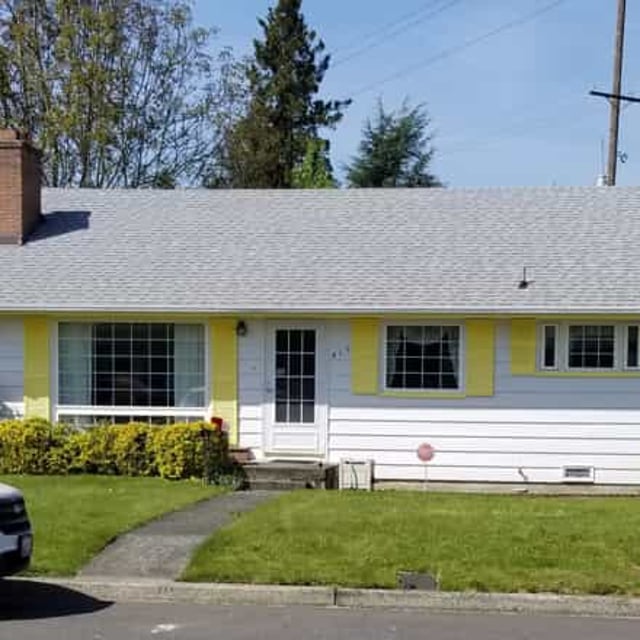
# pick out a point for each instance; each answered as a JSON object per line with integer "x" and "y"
{"x": 74, "y": 517}
{"x": 472, "y": 542}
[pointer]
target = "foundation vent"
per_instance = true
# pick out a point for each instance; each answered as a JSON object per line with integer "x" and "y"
{"x": 578, "y": 474}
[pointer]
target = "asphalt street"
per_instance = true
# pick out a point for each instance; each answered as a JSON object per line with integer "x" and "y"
{"x": 40, "y": 612}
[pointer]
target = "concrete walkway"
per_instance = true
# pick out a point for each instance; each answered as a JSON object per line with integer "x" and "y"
{"x": 162, "y": 548}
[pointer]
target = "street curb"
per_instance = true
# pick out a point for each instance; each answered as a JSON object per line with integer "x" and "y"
{"x": 152, "y": 590}
{"x": 167, "y": 591}
{"x": 530, "y": 603}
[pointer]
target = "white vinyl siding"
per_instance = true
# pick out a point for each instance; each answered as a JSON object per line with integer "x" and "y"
{"x": 252, "y": 371}
{"x": 11, "y": 367}
{"x": 528, "y": 431}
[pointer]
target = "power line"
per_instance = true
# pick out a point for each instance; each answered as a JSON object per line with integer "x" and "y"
{"x": 390, "y": 25}
{"x": 446, "y": 53}
{"x": 514, "y": 121}
{"x": 527, "y": 125}
{"x": 396, "y": 32}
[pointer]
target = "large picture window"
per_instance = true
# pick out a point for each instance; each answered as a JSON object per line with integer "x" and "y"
{"x": 153, "y": 365}
{"x": 422, "y": 357}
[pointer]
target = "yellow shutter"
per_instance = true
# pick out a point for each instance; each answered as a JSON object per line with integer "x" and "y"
{"x": 36, "y": 368}
{"x": 365, "y": 340}
{"x": 480, "y": 361}
{"x": 523, "y": 347}
{"x": 223, "y": 348}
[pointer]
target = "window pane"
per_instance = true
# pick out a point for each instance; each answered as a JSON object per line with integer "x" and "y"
{"x": 295, "y": 411}
{"x": 422, "y": 357}
{"x": 74, "y": 363}
{"x": 295, "y": 364}
{"x": 308, "y": 388}
{"x": 295, "y": 388}
{"x": 281, "y": 411}
{"x": 122, "y": 331}
{"x": 109, "y": 364}
{"x": 308, "y": 364}
{"x": 308, "y": 412}
{"x": 309, "y": 341}
{"x": 282, "y": 341}
{"x": 549, "y": 360}
{"x": 103, "y": 331}
{"x": 295, "y": 375}
{"x": 591, "y": 346}
{"x": 295, "y": 341}
{"x": 632, "y": 347}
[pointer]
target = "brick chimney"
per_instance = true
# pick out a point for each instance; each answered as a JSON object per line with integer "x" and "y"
{"x": 20, "y": 207}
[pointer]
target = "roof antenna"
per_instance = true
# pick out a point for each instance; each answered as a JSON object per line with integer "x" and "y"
{"x": 601, "y": 180}
{"x": 524, "y": 283}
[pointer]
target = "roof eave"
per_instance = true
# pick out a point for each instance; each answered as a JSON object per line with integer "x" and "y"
{"x": 324, "y": 311}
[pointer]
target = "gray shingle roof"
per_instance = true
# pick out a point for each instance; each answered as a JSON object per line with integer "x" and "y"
{"x": 441, "y": 250}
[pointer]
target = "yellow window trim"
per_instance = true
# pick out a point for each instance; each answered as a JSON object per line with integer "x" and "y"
{"x": 37, "y": 387}
{"x": 480, "y": 357}
{"x": 433, "y": 395}
{"x": 365, "y": 355}
{"x": 223, "y": 372}
{"x": 524, "y": 347}
{"x": 478, "y": 348}
{"x": 587, "y": 374}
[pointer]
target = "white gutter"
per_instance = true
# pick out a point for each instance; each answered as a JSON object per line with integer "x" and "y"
{"x": 512, "y": 311}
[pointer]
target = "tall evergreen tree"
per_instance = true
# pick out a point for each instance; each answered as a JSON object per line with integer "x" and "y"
{"x": 395, "y": 150}
{"x": 285, "y": 112}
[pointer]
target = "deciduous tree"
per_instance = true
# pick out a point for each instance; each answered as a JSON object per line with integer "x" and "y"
{"x": 115, "y": 92}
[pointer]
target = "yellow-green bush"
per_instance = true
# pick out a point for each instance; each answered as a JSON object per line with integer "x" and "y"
{"x": 32, "y": 446}
{"x": 132, "y": 451}
{"x": 173, "y": 451}
{"x": 182, "y": 450}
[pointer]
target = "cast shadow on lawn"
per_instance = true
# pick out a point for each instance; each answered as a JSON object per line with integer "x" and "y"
{"x": 30, "y": 600}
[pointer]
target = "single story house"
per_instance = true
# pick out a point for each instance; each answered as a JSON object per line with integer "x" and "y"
{"x": 501, "y": 326}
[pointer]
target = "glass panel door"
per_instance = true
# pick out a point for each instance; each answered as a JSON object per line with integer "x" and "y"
{"x": 295, "y": 376}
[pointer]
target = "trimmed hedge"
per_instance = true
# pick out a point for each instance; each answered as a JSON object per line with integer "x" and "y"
{"x": 184, "y": 450}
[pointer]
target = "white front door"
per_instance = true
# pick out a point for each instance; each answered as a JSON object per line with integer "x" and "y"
{"x": 296, "y": 407}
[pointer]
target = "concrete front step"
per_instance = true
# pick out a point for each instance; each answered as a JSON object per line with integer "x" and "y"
{"x": 285, "y": 475}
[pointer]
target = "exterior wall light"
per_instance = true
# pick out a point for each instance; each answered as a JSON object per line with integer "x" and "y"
{"x": 241, "y": 328}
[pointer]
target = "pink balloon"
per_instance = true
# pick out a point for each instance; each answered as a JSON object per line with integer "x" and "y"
{"x": 426, "y": 452}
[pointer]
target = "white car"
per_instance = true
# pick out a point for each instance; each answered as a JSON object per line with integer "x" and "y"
{"x": 16, "y": 537}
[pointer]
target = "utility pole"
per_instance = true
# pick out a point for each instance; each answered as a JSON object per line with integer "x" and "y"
{"x": 614, "y": 120}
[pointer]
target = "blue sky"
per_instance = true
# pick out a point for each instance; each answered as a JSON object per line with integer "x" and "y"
{"x": 511, "y": 110}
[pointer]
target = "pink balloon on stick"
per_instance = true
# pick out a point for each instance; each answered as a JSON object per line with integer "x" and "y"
{"x": 426, "y": 452}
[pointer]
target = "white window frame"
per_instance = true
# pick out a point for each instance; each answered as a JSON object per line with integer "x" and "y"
{"x": 625, "y": 354}
{"x": 61, "y": 410}
{"x": 542, "y": 348}
{"x": 462, "y": 357}
{"x": 620, "y": 347}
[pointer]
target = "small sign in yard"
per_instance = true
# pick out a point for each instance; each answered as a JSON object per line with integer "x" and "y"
{"x": 426, "y": 453}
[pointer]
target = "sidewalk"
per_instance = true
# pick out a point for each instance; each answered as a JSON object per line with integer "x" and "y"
{"x": 162, "y": 548}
